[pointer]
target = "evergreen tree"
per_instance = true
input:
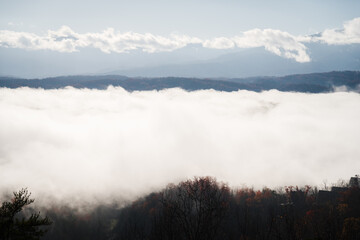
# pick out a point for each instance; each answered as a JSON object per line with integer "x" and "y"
{"x": 12, "y": 226}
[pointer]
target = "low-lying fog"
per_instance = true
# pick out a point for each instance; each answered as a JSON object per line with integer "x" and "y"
{"x": 74, "y": 144}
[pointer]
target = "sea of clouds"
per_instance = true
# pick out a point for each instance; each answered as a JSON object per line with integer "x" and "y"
{"x": 72, "y": 144}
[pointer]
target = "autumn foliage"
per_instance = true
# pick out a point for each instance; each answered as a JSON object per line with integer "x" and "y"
{"x": 203, "y": 208}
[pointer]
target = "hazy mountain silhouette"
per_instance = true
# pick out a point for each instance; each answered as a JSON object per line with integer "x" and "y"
{"x": 258, "y": 62}
{"x": 190, "y": 61}
{"x": 316, "y": 82}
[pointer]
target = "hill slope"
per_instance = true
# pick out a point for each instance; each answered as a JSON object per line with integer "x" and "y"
{"x": 314, "y": 83}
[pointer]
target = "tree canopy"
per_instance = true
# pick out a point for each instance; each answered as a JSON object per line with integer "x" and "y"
{"x": 15, "y": 225}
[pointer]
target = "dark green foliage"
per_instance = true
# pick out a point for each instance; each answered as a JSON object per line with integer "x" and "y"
{"x": 12, "y": 226}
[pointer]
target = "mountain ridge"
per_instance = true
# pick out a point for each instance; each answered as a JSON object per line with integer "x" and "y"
{"x": 312, "y": 83}
{"x": 193, "y": 61}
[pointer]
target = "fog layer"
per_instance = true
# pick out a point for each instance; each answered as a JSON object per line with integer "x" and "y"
{"x": 72, "y": 143}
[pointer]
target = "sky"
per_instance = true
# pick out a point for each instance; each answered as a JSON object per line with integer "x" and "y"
{"x": 31, "y": 32}
{"x": 205, "y": 19}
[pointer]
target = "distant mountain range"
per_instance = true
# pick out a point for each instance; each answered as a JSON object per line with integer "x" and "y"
{"x": 192, "y": 61}
{"x": 312, "y": 83}
{"x": 257, "y": 62}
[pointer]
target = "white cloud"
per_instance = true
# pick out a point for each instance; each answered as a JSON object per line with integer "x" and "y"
{"x": 219, "y": 43}
{"x": 110, "y": 41}
{"x": 66, "y": 40}
{"x": 348, "y": 35}
{"x": 62, "y": 40}
{"x": 73, "y": 143}
{"x": 278, "y": 42}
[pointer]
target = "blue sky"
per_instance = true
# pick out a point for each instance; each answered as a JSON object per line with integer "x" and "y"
{"x": 34, "y": 32}
{"x": 197, "y": 18}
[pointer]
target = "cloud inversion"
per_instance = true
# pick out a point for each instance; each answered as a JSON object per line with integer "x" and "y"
{"x": 72, "y": 143}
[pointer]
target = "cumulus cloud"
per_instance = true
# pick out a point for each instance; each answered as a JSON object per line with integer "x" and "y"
{"x": 348, "y": 35}
{"x": 66, "y": 40}
{"x": 278, "y": 42}
{"x": 72, "y": 143}
{"x": 219, "y": 43}
{"x": 63, "y": 40}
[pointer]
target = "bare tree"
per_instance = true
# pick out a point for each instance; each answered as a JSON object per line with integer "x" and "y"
{"x": 197, "y": 206}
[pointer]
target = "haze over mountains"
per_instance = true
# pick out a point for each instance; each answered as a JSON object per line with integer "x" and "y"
{"x": 312, "y": 83}
{"x": 190, "y": 61}
{"x": 257, "y": 62}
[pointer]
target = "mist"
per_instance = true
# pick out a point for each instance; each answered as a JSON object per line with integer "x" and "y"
{"x": 76, "y": 144}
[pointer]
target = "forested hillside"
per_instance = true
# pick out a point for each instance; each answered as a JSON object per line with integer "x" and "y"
{"x": 313, "y": 83}
{"x": 203, "y": 208}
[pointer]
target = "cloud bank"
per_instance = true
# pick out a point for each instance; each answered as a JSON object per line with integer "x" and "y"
{"x": 67, "y": 40}
{"x": 278, "y": 42}
{"x": 72, "y": 143}
{"x": 348, "y": 35}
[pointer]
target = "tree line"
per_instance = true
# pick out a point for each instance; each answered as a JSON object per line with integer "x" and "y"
{"x": 203, "y": 208}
